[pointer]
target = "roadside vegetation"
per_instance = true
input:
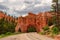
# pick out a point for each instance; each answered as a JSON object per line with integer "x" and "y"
{"x": 7, "y": 28}
{"x": 52, "y": 29}
{"x": 8, "y": 34}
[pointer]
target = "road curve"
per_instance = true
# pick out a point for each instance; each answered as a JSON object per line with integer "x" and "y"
{"x": 27, "y": 36}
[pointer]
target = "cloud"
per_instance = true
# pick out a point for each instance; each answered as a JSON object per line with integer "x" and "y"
{"x": 12, "y": 0}
{"x": 22, "y": 7}
{"x": 3, "y": 8}
{"x": 59, "y": 1}
{"x": 1, "y": 0}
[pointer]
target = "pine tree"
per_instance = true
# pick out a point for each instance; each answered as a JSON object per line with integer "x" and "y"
{"x": 57, "y": 13}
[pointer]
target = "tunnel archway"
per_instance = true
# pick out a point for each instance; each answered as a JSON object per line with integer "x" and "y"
{"x": 31, "y": 28}
{"x": 19, "y": 30}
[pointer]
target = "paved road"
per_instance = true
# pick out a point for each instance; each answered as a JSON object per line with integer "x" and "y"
{"x": 27, "y": 36}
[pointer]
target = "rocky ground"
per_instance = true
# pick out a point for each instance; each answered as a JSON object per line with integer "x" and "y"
{"x": 27, "y": 36}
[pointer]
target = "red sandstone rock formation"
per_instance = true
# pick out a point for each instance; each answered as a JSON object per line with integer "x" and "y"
{"x": 23, "y": 23}
{"x": 38, "y": 21}
{"x": 6, "y": 17}
{"x": 1, "y": 14}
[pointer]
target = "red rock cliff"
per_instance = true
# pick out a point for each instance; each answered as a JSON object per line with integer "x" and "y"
{"x": 38, "y": 21}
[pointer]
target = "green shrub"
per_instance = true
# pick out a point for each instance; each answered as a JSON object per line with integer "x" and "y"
{"x": 52, "y": 21}
{"x": 8, "y": 33}
{"x": 46, "y": 28}
{"x": 6, "y": 26}
{"x": 55, "y": 30}
{"x": 52, "y": 32}
{"x": 43, "y": 33}
{"x": 31, "y": 29}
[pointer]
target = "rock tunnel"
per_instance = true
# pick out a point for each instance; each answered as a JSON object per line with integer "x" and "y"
{"x": 32, "y": 20}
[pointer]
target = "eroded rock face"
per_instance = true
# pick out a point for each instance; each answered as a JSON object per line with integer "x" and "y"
{"x": 6, "y": 17}
{"x": 38, "y": 21}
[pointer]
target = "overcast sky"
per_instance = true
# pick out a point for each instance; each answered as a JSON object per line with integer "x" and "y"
{"x": 22, "y": 7}
{"x": 59, "y": 1}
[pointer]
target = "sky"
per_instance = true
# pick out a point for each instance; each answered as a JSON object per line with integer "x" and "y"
{"x": 22, "y": 7}
{"x": 59, "y": 1}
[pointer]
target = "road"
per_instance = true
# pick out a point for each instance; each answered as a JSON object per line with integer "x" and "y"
{"x": 27, "y": 36}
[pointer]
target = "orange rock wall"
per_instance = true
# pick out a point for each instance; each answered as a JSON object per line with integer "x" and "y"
{"x": 37, "y": 20}
{"x": 23, "y": 23}
{"x": 6, "y": 17}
